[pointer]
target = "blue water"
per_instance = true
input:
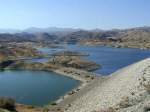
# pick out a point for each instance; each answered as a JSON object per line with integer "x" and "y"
{"x": 32, "y": 87}
{"x": 111, "y": 59}
{"x": 41, "y": 87}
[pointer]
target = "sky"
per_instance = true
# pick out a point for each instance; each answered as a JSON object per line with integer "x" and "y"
{"x": 85, "y": 14}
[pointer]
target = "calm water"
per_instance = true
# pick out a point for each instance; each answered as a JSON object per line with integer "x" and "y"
{"x": 111, "y": 59}
{"x": 34, "y": 87}
{"x": 41, "y": 87}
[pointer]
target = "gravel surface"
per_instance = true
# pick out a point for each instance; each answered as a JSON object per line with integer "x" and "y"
{"x": 124, "y": 91}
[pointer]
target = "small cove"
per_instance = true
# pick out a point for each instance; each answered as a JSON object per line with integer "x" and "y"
{"x": 32, "y": 87}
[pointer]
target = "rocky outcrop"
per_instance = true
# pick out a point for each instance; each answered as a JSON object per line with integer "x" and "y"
{"x": 74, "y": 62}
{"x": 69, "y": 53}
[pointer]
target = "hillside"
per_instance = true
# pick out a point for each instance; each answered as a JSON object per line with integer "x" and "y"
{"x": 18, "y": 51}
{"x": 11, "y": 38}
{"x": 45, "y": 38}
{"x": 77, "y": 37}
{"x": 134, "y": 37}
{"x": 74, "y": 62}
{"x": 26, "y": 35}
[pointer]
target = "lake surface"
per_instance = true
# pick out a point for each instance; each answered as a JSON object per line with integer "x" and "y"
{"x": 111, "y": 59}
{"x": 41, "y": 87}
{"x": 32, "y": 87}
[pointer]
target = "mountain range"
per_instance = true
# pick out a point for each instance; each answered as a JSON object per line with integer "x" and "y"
{"x": 42, "y": 30}
{"x": 138, "y": 37}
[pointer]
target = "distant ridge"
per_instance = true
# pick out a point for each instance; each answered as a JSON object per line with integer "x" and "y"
{"x": 45, "y": 37}
{"x": 12, "y": 38}
{"x": 56, "y": 29}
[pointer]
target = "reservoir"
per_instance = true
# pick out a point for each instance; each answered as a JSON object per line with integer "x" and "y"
{"x": 39, "y": 88}
{"x": 32, "y": 87}
{"x": 111, "y": 59}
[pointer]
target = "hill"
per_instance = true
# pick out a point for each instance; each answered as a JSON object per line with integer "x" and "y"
{"x": 11, "y": 38}
{"x": 77, "y": 37}
{"x": 74, "y": 62}
{"x": 45, "y": 38}
{"x": 26, "y": 35}
{"x": 18, "y": 51}
{"x": 133, "y": 37}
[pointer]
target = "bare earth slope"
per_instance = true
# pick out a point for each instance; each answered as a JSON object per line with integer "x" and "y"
{"x": 74, "y": 62}
{"x": 18, "y": 51}
{"x": 126, "y": 90}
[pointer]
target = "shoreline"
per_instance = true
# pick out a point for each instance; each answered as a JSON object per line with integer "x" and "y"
{"x": 88, "y": 81}
{"x": 86, "y": 85}
{"x": 95, "y": 93}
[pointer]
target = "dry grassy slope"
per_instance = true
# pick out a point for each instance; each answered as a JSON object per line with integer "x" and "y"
{"x": 9, "y": 64}
{"x": 74, "y": 62}
{"x": 11, "y": 38}
{"x": 15, "y": 51}
{"x": 32, "y": 44}
{"x": 25, "y": 65}
{"x": 135, "y": 37}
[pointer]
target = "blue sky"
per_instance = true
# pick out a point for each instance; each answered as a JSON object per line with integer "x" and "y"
{"x": 85, "y": 14}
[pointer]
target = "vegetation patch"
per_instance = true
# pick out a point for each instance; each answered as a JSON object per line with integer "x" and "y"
{"x": 77, "y": 89}
{"x": 46, "y": 109}
{"x": 7, "y": 103}
{"x": 30, "y": 106}
{"x": 71, "y": 93}
{"x": 87, "y": 76}
{"x": 53, "y": 103}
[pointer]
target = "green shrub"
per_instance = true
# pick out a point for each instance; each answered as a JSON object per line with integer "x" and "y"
{"x": 87, "y": 76}
{"x": 53, "y": 103}
{"x": 92, "y": 78}
{"x": 7, "y": 103}
{"x": 46, "y": 109}
{"x": 143, "y": 78}
{"x": 30, "y": 106}
{"x": 71, "y": 93}
{"x": 77, "y": 89}
{"x": 132, "y": 93}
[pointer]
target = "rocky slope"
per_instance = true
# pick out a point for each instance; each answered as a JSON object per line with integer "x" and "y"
{"x": 74, "y": 62}
{"x": 126, "y": 90}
